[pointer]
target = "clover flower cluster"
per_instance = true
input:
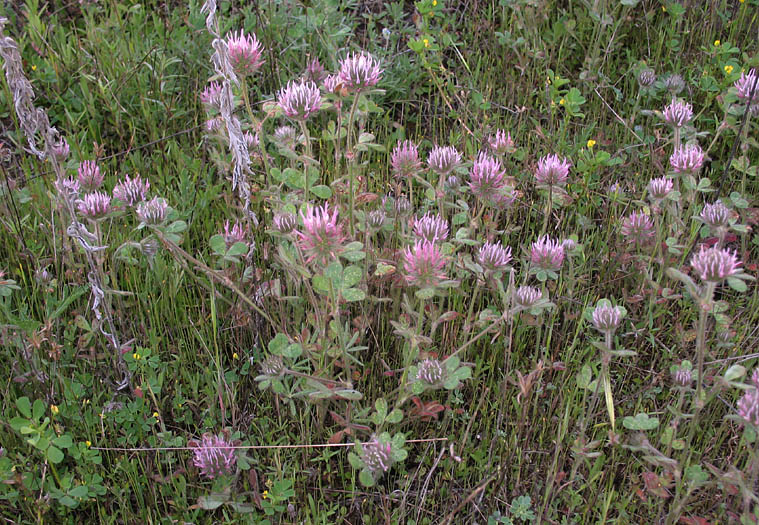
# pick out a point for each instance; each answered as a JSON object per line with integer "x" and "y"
{"x": 443, "y": 159}
{"x": 486, "y": 177}
{"x": 245, "y": 53}
{"x": 131, "y": 191}
{"x": 677, "y": 114}
{"x": 687, "y": 159}
{"x": 493, "y": 257}
{"x": 377, "y": 456}
{"x": 322, "y": 237}
{"x": 638, "y": 228}
{"x": 501, "y": 143}
{"x": 431, "y": 228}
{"x": 552, "y": 171}
{"x": 527, "y": 296}
{"x": 424, "y": 264}
{"x": 659, "y": 188}
{"x": 607, "y": 318}
{"x": 214, "y": 455}
{"x": 89, "y": 175}
{"x": 715, "y": 264}
{"x": 547, "y": 254}
{"x": 405, "y": 159}
{"x": 748, "y": 405}
{"x": 152, "y": 212}
{"x": 359, "y": 71}
{"x": 299, "y": 100}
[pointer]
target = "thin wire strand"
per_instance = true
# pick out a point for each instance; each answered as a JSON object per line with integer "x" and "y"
{"x": 252, "y": 447}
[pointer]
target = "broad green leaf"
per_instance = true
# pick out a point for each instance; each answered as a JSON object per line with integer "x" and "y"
{"x": 641, "y": 421}
{"x": 24, "y": 406}
{"x": 353, "y": 294}
{"x": 321, "y": 191}
{"x": 54, "y": 455}
{"x": 218, "y": 244}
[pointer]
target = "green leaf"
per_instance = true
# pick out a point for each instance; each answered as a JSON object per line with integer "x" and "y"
{"x": 353, "y": 294}
{"x": 737, "y": 284}
{"x": 641, "y": 421}
{"x": 212, "y": 501}
{"x": 381, "y": 407}
{"x": 383, "y": 269}
{"x": 735, "y": 372}
{"x": 176, "y": 227}
{"x": 425, "y": 293}
{"x": 321, "y": 191}
{"x": 366, "y": 478}
{"x": 24, "y": 406}
{"x": 237, "y": 249}
{"x": 38, "y": 409}
{"x": 278, "y": 344}
{"x": 351, "y": 276}
{"x": 68, "y": 501}
{"x": 292, "y": 351}
{"x": 321, "y": 283}
{"x": 396, "y": 416}
{"x": 80, "y": 491}
{"x": 353, "y": 246}
{"x": 353, "y": 256}
{"x": 54, "y": 455}
{"x": 63, "y": 441}
{"x": 584, "y": 376}
{"x": 218, "y": 244}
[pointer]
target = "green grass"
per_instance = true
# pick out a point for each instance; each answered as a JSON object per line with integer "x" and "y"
{"x": 121, "y": 81}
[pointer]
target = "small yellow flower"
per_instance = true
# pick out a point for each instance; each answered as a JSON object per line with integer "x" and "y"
{"x": 728, "y": 69}
{"x": 561, "y": 101}
{"x": 717, "y": 43}
{"x": 88, "y": 443}
{"x": 235, "y": 356}
{"x": 664, "y": 8}
{"x": 741, "y": 1}
{"x": 265, "y": 494}
{"x": 34, "y": 67}
{"x": 136, "y": 356}
{"x": 434, "y": 3}
{"x": 426, "y": 42}
{"x": 54, "y": 409}
{"x": 591, "y": 143}
{"x": 155, "y": 415}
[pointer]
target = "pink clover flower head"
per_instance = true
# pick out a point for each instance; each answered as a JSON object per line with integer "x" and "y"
{"x": 332, "y": 83}
{"x": 674, "y": 83}
{"x": 234, "y": 234}
{"x": 359, "y": 71}
{"x": 677, "y": 114}
{"x": 424, "y": 264}
{"x": 251, "y": 140}
{"x": 443, "y": 160}
{"x": 401, "y": 206}
{"x": 527, "y": 296}
{"x": 493, "y": 257}
{"x": 315, "y": 72}
{"x": 638, "y": 228}
{"x": 285, "y": 222}
{"x": 89, "y": 175}
{"x": 646, "y": 78}
{"x": 607, "y": 318}
{"x": 245, "y": 53}
{"x": 376, "y": 218}
{"x": 377, "y": 456}
{"x": 659, "y": 188}
{"x": 715, "y": 215}
{"x": 68, "y": 187}
{"x": 568, "y": 245}
{"x": 300, "y": 100}
{"x": 552, "y": 171}
{"x": 687, "y": 159}
{"x": 214, "y": 455}
{"x": 431, "y": 228}
{"x": 547, "y": 254}
{"x": 131, "y": 191}
{"x": 211, "y": 95}
{"x": 501, "y": 143}
{"x": 748, "y": 406}
{"x": 322, "y": 238}
{"x": 152, "y": 211}
{"x": 486, "y": 177}
{"x": 213, "y": 124}
{"x": 405, "y": 159}
{"x": 683, "y": 377}
{"x": 285, "y": 136}
{"x": 715, "y": 264}
{"x": 94, "y": 205}
{"x": 60, "y": 150}
{"x": 430, "y": 371}
{"x": 747, "y": 84}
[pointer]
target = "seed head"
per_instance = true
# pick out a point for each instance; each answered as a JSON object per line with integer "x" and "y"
{"x": 213, "y": 124}
{"x": 527, "y": 296}
{"x": 682, "y": 377}
{"x": 674, "y": 83}
{"x": 501, "y": 144}
{"x": 715, "y": 215}
{"x": 452, "y": 183}
{"x": 552, "y": 171}
{"x": 359, "y": 71}
{"x": 322, "y": 238}
{"x": 152, "y": 211}
{"x": 443, "y": 160}
{"x": 647, "y": 78}
{"x": 251, "y": 140}
{"x": 94, "y": 205}
{"x": 678, "y": 113}
{"x": 547, "y": 254}
{"x": 715, "y": 264}
{"x": 300, "y": 100}
{"x": 68, "y": 187}
{"x": 431, "y": 228}
{"x": 90, "y": 178}
{"x": 607, "y": 318}
{"x": 405, "y": 159}
{"x": 131, "y": 191}
{"x": 431, "y": 371}
{"x": 424, "y": 264}
{"x": 493, "y": 257}
{"x": 658, "y": 189}
{"x": 687, "y": 159}
{"x": 285, "y": 136}
{"x": 376, "y": 218}
{"x": 401, "y": 206}
{"x": 273, "y": 366}
{"x": 638, "y": 228}
{"x": 60, "y": 150}
{"x": 214, "y": 455}
{"x": 285, "y": 222}
{"x": 244, "y": 53}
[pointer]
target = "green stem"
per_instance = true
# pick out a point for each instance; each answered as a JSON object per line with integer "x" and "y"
{"x": 307, "y": 160}
{"x": 705, "y": 306}
{"x": 351, "y": 160}
{"x": 259, "y": 129}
